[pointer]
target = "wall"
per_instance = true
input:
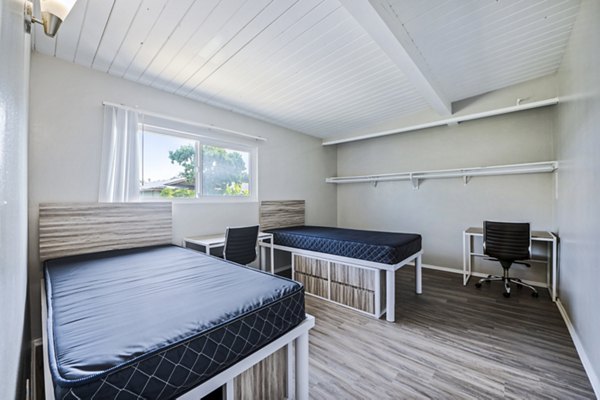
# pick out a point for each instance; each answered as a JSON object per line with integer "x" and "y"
{"x": 64, "y": 153}
{"x": 14, "y": 71}
{"x": 577, "y": 210}
{"x": 441, "y": 209}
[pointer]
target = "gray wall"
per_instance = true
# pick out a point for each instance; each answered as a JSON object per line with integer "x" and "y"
{"x": 441, "y": 209}
{"x": 64, "y": 154}
{"x": 14, "y": 71}
{"x": 577, "y": 206}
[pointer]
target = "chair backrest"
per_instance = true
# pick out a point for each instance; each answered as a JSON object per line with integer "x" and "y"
{"x": 507, "y": 241}
{"x": 240, "y": 244}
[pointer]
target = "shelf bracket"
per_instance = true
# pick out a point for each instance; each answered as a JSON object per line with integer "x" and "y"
{"x": 414, "y": 181}
{"x": 466, "y": 179}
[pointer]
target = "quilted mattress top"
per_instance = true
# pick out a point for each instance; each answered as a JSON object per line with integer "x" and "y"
{"x": 375, "y": 246}
{"x": 109, "y": 309}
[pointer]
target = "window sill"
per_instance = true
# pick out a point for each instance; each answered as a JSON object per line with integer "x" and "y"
{"x": 176, "y": 200}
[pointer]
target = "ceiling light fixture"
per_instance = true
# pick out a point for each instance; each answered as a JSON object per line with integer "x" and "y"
{"x": 54, "y": 13}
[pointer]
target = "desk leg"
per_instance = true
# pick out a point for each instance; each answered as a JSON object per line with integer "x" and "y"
{"x": 207, "y": 249}
{"x": 464, "y": 258}
{"x": 261, "y": 258}
{"x": 467, "y": 245}
{"x": 272, "y": 256}
{"x": 549, "y": 267}
{"x": 390, "y": 295}
{"x": 554, "y": 267}
{"x": 418, "y": 275}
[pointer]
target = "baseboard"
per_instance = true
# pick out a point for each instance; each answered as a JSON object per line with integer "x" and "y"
{"x": 445, "y": 269}
{"x": 477, "y": 274}
{"x": 587, "y": 365}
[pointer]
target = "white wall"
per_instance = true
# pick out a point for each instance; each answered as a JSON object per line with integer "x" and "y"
{"x": 65, "y": 140}
{"x": 441, "y": 209}
{"x": 14, "y": 71}
{"x": 577, "y": 206}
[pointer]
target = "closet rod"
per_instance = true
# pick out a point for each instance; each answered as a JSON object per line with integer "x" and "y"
{"x": 183, "y": 121}
{"x": 466, "y": 173}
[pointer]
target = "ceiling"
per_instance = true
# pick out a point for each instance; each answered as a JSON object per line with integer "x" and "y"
{"x": 327, "y": 68}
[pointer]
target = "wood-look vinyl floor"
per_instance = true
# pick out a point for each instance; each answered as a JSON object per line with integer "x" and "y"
{"x": 451, "y": 342}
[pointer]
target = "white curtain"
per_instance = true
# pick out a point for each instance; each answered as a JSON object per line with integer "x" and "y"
{"x": 119, "y": 174}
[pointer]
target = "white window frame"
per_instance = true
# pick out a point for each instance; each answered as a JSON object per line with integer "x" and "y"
{"x": 200, "y": 140}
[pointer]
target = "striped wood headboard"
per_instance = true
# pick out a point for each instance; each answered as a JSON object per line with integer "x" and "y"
{"x": 281, "y": 213}
{"x": 79, "y": 228}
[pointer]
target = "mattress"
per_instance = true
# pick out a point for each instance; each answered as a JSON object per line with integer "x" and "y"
{"x": 155, "y": 322}
{"x": 379, "y": 247}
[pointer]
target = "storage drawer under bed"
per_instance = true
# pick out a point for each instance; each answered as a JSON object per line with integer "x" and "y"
{"x": 355, "y": 287}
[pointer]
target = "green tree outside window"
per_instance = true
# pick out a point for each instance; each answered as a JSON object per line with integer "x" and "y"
{"x": 224, "y": 172}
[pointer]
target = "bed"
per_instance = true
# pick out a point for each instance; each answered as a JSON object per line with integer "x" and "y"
{"x": 354, "y": 268}
{"x": 116, "y": 329}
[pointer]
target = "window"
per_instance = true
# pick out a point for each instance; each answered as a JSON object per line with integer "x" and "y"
{"x": 225, "y": 172}
{"x": 185, "y": 166}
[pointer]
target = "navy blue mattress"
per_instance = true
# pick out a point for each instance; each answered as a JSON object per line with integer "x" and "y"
{"x": 155, "y": 322}
{"x": 380, "y": 247}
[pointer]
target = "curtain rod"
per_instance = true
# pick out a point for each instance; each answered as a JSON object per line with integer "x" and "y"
{"x": 183, "y": 121}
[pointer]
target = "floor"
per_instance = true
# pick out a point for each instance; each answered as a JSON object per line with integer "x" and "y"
{"x": 451, "y": 342}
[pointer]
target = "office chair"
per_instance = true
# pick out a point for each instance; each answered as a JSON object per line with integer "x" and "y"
{"x": 240, "y": 244}
{"x": 508, "y": 243}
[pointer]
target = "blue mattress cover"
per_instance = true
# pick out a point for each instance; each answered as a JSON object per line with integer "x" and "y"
{"x": 375, "y": 246}
{"x": 110, "y": 310}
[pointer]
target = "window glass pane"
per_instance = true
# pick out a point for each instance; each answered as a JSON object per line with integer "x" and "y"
{"x": 168, "y": 166}
{"x": 225, "y": 172}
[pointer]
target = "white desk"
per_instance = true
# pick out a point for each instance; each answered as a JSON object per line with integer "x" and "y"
{"x": 551, "y": 259}
{"x": 218, "y": 240}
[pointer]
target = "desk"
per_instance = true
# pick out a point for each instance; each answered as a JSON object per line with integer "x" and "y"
{"x": 551, "y": 259}
{"x": 218, "y": 240}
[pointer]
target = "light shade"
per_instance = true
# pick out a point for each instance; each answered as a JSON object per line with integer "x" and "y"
{"x": 54, "y": 13}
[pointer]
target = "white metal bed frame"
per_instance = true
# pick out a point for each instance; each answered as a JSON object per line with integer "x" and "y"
{"x": 68, "y": 229}
{"x": 390, "y": 276}
{"x": 285, "y": 213}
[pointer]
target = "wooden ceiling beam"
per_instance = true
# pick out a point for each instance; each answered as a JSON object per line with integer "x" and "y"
{"x": 395, "y": 41}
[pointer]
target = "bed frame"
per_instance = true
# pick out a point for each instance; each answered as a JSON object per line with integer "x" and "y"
{"x": 350, "y": 282}
{"x": 81, "y": 228}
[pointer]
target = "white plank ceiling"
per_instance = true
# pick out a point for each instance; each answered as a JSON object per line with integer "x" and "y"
{"x": 308, "y": 64}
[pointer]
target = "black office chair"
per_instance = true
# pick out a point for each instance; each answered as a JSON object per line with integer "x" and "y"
{"x": 508, "y": 243}
{"x": 240, "y": 244}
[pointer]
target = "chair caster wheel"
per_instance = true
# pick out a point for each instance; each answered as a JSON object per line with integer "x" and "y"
{"x": 535, "y": 294}
{"x": 506, "y": 294}
{"x": 478, "y": 285}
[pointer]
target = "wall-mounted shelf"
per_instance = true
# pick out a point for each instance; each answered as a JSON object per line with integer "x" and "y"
{"x": 450, "y": 121}
{"x": 465, "y": 173}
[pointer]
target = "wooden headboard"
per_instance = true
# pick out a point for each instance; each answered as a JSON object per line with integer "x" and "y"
{"x": 80, "y": 228}
{"x": 281, "y": 213}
